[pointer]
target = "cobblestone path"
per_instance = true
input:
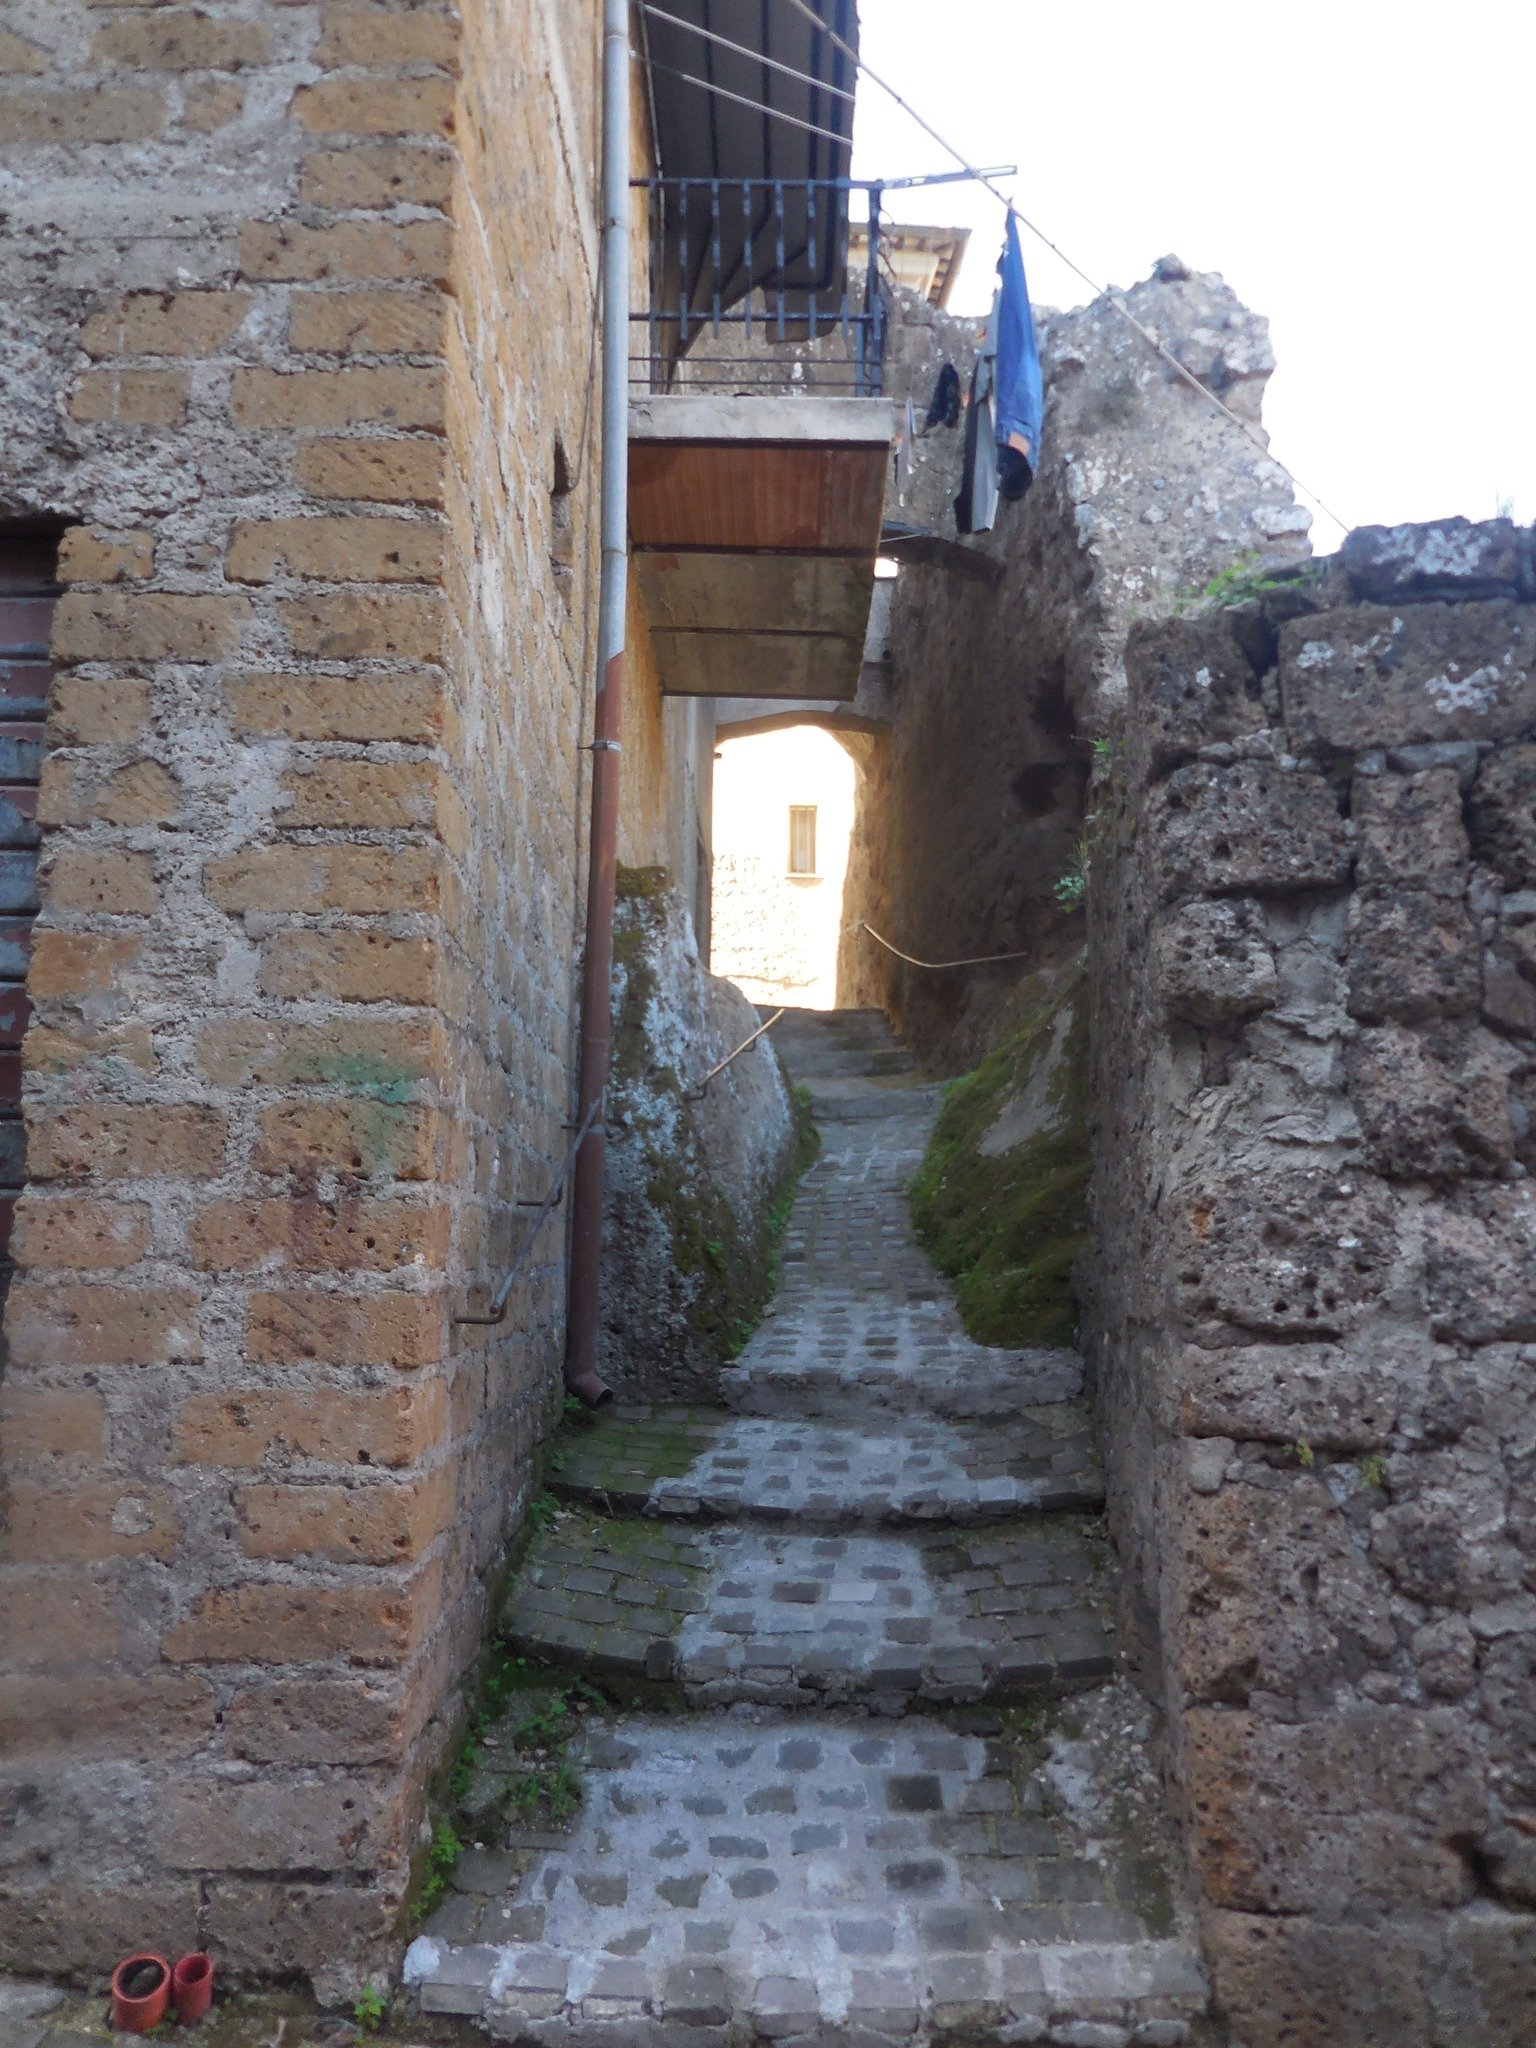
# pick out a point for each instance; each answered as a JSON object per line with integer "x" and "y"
{"x": 881, "y": 1784}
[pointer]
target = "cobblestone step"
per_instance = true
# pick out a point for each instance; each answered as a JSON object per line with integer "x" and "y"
{"x": 946, "y": 1381}
{"x": 692, "y": 1464}
{"x": 739, "y": 1878}
{"x": 747, "y": 1614}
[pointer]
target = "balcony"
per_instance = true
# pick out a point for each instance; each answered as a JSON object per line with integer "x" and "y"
{"x": 759, "y": 436}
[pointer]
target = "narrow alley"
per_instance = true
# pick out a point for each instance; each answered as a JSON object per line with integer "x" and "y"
{"x": 883, "y": 1778}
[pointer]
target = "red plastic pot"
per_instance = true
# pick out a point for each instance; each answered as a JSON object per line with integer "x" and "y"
{"x": 192, "y": 1987}
{"x": 141, "y": 1991}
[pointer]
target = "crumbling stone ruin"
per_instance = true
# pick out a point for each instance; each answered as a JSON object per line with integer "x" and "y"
{"x": 1129, "y": 1643}
{"x": 1005, "y": 656}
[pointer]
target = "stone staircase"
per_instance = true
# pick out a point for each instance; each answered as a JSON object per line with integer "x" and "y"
{"x": 881, "y": 1783}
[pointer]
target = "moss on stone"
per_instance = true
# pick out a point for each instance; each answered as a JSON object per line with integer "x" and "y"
{"x": 1005, "y": 1224}
{"x": 727, "y": 1265}
{"x": 633, "y": 885}
{"x": 734, "y": 1269}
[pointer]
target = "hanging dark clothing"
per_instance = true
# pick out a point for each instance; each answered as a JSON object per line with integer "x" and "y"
{"x": 944, "y": 406}
{"x": 976, "y": 506}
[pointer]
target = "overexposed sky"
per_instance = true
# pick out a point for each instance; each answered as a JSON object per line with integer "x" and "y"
{"x": 1360, "y": 171}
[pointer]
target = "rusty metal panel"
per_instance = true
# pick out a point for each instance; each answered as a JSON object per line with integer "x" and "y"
{"x": 15, "y": 1015}
{"x": 24, "y": 688}
{"x": 15, "y": 947}
{"x": 27, "y": 599}
{"x": 25, "y": 625}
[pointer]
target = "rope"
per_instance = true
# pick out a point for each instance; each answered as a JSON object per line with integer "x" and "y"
{"x": 1099, "y": 290}
{"x": 975, "y": 960}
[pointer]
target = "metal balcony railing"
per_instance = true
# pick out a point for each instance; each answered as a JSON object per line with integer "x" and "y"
{"x": 751, "y": 289}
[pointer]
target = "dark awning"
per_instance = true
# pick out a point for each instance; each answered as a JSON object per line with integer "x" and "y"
{"x": 700, "y": 133}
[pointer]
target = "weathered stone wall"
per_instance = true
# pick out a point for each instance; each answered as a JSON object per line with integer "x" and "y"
{"x": 1005, "y": 650}
{"x": 692, "y": 1176}
{"x": 1310, "y": 1292}
{"x": 297, "y": 307}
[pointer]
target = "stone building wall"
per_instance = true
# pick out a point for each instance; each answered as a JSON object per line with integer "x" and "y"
{"x": 1005, "y": 651}
{"x": 297, "y": 301}
{"x": 694, "y": 1170}
{"x": 1310, "y": 1293}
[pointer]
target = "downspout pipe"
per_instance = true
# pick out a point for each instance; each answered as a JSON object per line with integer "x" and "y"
{"x": 597, "y": 968}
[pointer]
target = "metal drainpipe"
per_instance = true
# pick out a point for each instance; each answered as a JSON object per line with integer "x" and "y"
{"x": 597, "y": 973}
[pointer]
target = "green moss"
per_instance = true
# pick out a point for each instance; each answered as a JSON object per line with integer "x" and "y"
{"x": 1007, "y": 1228}
{"x": 386, "y": 1080}
{"x": 730, "y": 1263}
{"x": 731, "y": 1267}
{"x": 634, "y": 884}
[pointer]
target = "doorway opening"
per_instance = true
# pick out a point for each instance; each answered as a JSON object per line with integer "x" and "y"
{"x": 783, "y": 817}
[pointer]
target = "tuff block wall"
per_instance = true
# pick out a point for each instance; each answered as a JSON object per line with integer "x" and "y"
{"x": 1309, "y": 1309}
{"x": 299, "y": 300}
{"x": 1005, "y": 650}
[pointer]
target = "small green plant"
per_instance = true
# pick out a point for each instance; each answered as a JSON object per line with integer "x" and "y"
{"x": 369, "y": 2009}
{"x": 442, "y": 1854}
{"x": 550, "y": 1790}
{"x": 1373, "y": 1470}
{"x": 1104, "y": 750}
{"x": 542, "y": 1510}
{"x": 1238, "y": 583}
{"x": 1304, "y": 1454}
{"x": 1072, "y": 887}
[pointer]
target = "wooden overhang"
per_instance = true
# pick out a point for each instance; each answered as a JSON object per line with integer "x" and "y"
{"x": 754, "y": 525}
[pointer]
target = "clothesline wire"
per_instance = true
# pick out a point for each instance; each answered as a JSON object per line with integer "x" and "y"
{"x": 1099, "y": 290}
{"x": 975, "y": 960}
{"x": 741, "y": 50}
{"x": 756, "y": 106}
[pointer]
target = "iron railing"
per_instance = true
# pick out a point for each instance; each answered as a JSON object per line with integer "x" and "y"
{"x": 751, "y": 290}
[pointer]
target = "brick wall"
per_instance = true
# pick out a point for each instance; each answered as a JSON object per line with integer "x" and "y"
{"x": 1310, "y": 1308}
{"x": 300, "y": 302}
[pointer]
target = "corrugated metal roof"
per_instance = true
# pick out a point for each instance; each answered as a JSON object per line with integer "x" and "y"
{"x": 702, "y": 134}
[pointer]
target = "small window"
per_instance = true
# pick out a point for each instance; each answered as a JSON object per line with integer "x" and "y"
{"x": 802, "y": 839}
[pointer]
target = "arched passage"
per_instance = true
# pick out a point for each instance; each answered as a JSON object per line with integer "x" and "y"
{"x": 784, "y": 804}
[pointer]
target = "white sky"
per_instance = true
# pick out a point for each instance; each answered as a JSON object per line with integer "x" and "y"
{"x": 1360, "y": 171}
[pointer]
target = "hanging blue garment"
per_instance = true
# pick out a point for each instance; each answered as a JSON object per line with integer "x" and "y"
{"x": 1020, "y": 401}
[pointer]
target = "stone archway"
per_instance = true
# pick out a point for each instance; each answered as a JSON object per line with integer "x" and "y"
{"x": 861, "y": 971}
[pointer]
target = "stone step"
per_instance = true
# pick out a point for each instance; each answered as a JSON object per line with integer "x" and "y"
{"x": 697, "y": 1464}
{"x": 732, "y": 1878}
{"x": 892, "y": 1362}
{"x": 751, "y": 1614}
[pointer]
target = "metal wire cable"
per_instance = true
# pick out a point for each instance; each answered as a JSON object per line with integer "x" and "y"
{"x": 1099, "y": 290}
{"x": 503, "y": 1293}
{"x": 756, "y": 106}
{"x": 840, "y": 92}
{"x": 975, "y": 960}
